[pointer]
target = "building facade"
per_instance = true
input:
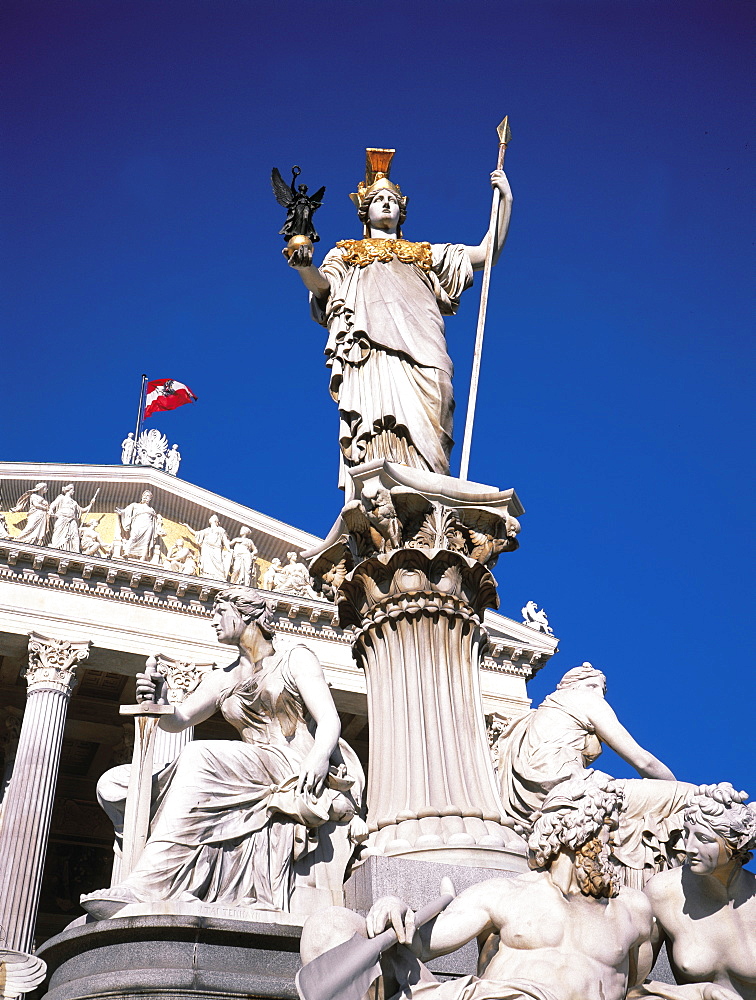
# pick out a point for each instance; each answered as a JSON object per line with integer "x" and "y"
{"x": 87, "y": 593}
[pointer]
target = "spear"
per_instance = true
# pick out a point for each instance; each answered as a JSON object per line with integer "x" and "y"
{"x": 504, "y": 136}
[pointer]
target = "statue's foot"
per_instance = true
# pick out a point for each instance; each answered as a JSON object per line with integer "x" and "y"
{"x": 105, "y": 903}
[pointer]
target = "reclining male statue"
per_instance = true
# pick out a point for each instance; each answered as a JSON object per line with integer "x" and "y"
{"x": 565, "y": 931}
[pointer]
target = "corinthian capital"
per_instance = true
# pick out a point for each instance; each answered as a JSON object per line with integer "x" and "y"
{"x": 181, "y": 676}
{"x": 53, "y": 662}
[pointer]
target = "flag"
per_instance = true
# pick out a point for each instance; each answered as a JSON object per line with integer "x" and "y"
{"x": 166, "y": 394}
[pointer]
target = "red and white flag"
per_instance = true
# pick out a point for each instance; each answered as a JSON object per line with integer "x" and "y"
{"x": 166, "y": 394}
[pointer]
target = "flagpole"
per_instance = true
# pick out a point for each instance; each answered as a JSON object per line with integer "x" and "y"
{"x": 504, "y": 137}
{"x": 139, "y": 419}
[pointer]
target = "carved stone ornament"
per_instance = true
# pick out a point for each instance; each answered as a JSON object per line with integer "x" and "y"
{"x": 20, "y": 972}
{"x": 53, "y": 662}
{"x": 181, "y": 676}
{"x": 396, "y": 507}
{"x": 536, "y": 619}
{"x": 496, "y": 725}
{"x": 151, "y": 448}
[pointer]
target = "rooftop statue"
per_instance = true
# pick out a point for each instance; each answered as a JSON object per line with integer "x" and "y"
{"x": 66, "y": 515}
{"x": 233, "y": 818}
{"x": 214, "y": 549}
{"x": 293, "y": 578}
{"x": 383, "y": 299}
{"x": 35, "y": 529}
{"x": 245, "y": 568}
{"x": 89, "y": 538}
{"x": 151, "y": 448}
{"x": 173, "y": 460}
{"x": 180, "y": 558}
{"x": 138, "y": 524}
{"x": 565, "y": 931}
{"x": 128, "y": 449}
{"x": 273, "y": 575}
{"x": 563, "y": 736}
{"x": 536, "y": 619}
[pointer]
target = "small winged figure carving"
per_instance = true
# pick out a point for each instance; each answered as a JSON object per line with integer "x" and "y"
{"x": 300, "y": 207}
{"x": 362, "y": 536}
{"x": 386, "y": 528}
{"x": 485, "y": 530}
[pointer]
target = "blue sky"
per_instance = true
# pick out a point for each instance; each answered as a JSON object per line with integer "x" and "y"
{"x": 139, "y": 233}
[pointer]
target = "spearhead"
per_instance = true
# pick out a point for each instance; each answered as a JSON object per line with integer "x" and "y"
{"x": 504, "y": 132}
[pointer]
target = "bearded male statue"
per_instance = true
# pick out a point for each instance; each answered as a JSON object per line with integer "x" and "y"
{"x": 566, "y": 930}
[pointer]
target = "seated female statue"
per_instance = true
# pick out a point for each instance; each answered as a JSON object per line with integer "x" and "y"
{"x": 235, "y": 820}
{"x": 706, "y": 910}
{"x": 563, "y": 736}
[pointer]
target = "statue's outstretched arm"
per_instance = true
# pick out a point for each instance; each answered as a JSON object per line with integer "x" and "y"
{"x": 478, "y": 254}
{"x": 463, "y": 920}
{"x": 314, "y": 280}
{"x": 611, "y": 731}
{"x": 197, "y": 706}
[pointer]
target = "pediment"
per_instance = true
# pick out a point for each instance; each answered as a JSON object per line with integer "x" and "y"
{"x": 178, "y": 502}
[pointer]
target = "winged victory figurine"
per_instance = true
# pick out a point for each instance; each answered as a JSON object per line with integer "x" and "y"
{"x": 300, "y": 207}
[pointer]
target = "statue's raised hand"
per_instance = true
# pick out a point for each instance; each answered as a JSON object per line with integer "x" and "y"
{"x": 499, "y": 180}
{"x": 300, "y": 257}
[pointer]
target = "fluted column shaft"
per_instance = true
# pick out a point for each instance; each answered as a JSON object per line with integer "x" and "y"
{"x": 28, "y": 802}
{"x": 431, "y": 783}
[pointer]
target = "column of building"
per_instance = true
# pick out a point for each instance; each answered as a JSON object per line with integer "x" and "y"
{"x": 28, "y": 802}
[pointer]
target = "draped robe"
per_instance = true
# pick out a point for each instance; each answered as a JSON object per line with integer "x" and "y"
{"x": 390, "y": 371}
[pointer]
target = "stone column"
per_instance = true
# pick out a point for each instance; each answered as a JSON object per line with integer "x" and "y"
{"x": 12, "y": 730}
{"x": 409, "y": 562}
{"x": 29, "y": 800}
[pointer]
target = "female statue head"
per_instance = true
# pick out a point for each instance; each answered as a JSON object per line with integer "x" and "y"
{"x": 585, "y": 675}
{"x": 382, "y": 208}
{"x": 379, "y": 189}
{"x": 719, "y": 828}
{"x": 235, "y": 609}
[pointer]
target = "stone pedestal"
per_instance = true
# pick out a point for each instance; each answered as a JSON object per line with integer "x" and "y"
{"x": 28, "y": 803}
{"x": 409, "y": 564}
{"x": 173, "y": 956}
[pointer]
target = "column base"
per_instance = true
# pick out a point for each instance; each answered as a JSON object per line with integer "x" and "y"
{"x": 20, "y": 973}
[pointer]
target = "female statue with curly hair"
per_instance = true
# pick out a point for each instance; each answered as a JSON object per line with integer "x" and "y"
{"x": 383, "y": 299}
{"x": 235, "y": 820}
{"x": 706, "y": 910}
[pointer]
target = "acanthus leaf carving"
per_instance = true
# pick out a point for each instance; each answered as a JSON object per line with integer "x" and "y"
{"x": 54, "y": 661}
